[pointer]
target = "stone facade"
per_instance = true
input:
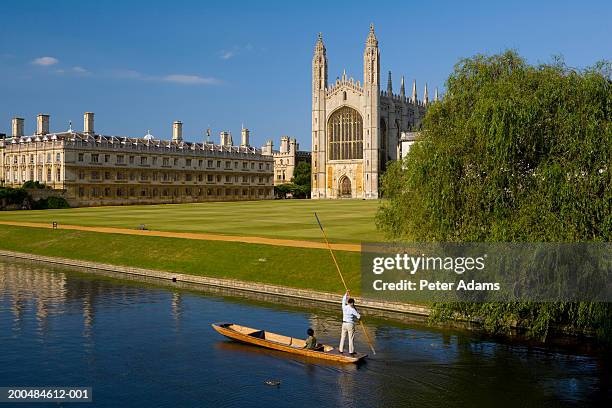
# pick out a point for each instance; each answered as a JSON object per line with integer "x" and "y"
{"x": 95, "y": 169}
{"x": 356, "y": 128}
{"x": 407, "y": 139}
{"x": 286, "y": 158}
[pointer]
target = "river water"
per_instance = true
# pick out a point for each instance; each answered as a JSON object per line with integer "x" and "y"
{"x": 138, "y": 344}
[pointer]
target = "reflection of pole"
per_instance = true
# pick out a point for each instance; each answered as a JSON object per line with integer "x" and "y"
{"x": 365, "y": 332}
{"x": 176, "y": 306}
{"x": 88, "y": 315}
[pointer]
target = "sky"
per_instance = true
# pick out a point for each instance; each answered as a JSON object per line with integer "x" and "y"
{"x": 140, "y": 65}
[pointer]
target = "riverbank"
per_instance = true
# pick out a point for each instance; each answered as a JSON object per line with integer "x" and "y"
{"x": 276, "y": 290}
{"x": 301, "y": 268}
{"x": 294, "y": 272}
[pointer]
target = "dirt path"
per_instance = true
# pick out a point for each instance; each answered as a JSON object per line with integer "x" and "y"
{"x": 190, "y": 235}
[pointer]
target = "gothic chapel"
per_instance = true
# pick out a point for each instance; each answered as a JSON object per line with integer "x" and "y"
{"x": 356, "y": 127}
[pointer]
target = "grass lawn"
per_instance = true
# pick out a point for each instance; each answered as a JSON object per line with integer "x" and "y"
{"x": 295, "y": 267}
{"x": 344, "y": 220}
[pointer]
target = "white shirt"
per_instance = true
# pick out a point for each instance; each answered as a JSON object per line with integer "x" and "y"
{"x": 349, "y": 314}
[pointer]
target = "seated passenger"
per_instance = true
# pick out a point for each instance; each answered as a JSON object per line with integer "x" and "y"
{"x": 311, "y": 341}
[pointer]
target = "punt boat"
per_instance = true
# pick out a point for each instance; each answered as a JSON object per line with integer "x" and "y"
{"x": 287, "y": 344}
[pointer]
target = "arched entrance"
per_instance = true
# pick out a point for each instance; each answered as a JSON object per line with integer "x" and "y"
{"x": 345, "y": 187}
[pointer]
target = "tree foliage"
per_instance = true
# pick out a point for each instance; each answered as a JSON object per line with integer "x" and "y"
{"x": 33, "y": 185}
{"x": 299, "y": 187}
{"x": 50, "y": 203}
{"x": 21, "y": 198}
{"x": 513, "y": 153}
{"x": 301, "y": 178}
{"x": 12, "y": 196}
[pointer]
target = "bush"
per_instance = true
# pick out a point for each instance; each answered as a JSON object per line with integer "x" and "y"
{"x": 33, "y": 184}
{"x": 13, "y": 196}
{"x": 50, "y": 203}
{"x": 57, "y": 202}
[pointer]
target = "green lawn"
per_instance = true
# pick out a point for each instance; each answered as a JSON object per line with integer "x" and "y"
{"x": 344, "y": 220}
{"x": 295, "y": 267}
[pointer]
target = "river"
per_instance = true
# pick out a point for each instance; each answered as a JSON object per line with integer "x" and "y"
{"x": 145, "y": 345}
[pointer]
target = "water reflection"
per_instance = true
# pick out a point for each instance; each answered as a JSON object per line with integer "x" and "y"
{"x": 139, "y": 345}
{"x": 177, "y": 307}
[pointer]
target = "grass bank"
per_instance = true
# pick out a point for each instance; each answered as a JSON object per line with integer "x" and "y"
{"x": 295, "y": 267}
{"x": 345, "y": 220}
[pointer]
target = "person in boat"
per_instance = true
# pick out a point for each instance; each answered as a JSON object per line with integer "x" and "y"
{"x": 311, "y": 341}
{"x": 349, "y": 317}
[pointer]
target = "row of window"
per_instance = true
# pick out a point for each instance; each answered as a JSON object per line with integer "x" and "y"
{"x": 174, "y": 161}
{"x": 29, "y": 175}
{"x": 132, "y": 176}
{"x": 30, "y": 158}
{"x": 109, "y": 192}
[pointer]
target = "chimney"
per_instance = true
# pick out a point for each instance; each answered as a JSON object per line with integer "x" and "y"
{"x": 17, "y": 127}
{"x": 245, "y": 137}
{"x": 88, "y": 123}
{"x": 226, "y": 139}
{"x": 177, "y": 131}
{"x": 42, "y": 124}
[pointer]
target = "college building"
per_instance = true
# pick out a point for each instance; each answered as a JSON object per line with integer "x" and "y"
{"x": 285, "y": 159}
{"x": 357, "y": 128}
{"x": 94, "y": 169}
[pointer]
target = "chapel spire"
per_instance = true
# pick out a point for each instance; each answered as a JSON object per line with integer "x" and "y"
{"x": 371, "y": 41}
{"x": 402, "y": 88}
{"x": 371, "y": 60}
{"x": 319, "y": 65}
{"x": 319, "y": 46}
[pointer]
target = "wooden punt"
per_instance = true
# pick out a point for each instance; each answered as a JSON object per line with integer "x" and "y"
{"x": 279, "y": 342}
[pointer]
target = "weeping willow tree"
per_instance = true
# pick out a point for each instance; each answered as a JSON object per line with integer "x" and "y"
{"x": 513, "y": 153}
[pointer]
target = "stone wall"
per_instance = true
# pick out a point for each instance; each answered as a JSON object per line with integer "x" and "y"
{"x": 261, "y": 288}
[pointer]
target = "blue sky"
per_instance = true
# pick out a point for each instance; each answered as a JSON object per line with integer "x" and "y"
{"x": 141, "y": 65}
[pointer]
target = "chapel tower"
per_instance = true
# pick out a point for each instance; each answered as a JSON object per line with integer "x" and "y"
{"x": 319, "y": 86}
{"x": 371, "y": 88}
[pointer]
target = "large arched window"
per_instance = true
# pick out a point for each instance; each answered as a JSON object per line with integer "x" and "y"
{"x": 345, "y": 135}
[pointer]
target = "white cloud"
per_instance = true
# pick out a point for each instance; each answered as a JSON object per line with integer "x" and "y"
{"x": 225, "y": 55}
{"x": 190, "y": 79}
{"x": 80, "y": 70}
{"x": 237, "y": 50}
{"x": 45, "y": 61}
{"x": 174, "y": 78}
